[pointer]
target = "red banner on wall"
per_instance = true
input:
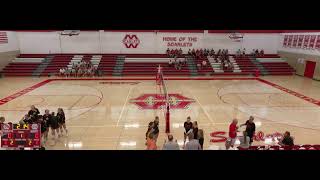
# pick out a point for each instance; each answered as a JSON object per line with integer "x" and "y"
{"x": 317, "y": 46}
{"x": 312, "y": 41}
{"x": 300, "y": 41}
{"x": 285, "y": 41}
{"x": 290, "y": 40}
{"x": 306, "y": 41}
{"x": 295, "y": 40}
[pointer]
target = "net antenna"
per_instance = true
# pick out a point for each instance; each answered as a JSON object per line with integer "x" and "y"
{"x": 161, "y": 83}
{"x": 70, "y": 33}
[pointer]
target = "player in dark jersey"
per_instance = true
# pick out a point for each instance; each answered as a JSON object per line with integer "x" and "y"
{"x": 62, "y": 121}
{"x": 2, "y": 120}
{"x": 33, "y": 113}
{"x": 54, "y": 125}
{"x": 47, "y": 120}
{"x": 43, "y": 129}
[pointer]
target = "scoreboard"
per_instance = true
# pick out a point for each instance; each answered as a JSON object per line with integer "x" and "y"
{"x": 20, "y": 135}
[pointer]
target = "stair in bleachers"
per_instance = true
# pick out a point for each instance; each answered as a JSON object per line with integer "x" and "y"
{"x": 43, "y": 65}
{"x": 276, "y": 66}
{"x": 192, "y": 66}
{"x": 23, "y": 65}
{"x": 57, "y": 62}
{"x": 107, "y": 64}
{"x": 118, "y": 68}
{"x": 260, "y": 67}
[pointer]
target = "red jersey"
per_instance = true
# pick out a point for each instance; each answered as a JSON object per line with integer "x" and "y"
{"x": 233, "y": 130}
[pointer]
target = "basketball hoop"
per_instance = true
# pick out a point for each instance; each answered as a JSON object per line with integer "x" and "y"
{"x": 236, "y": 37}
{"x": 70, "y": 32}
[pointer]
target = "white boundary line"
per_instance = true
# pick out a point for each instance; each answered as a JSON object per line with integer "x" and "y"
{"x": 124, "y": 105}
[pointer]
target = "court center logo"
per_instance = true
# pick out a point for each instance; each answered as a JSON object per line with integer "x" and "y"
{"x": 131, "y": 41}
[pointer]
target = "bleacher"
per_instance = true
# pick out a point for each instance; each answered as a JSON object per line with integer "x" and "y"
{"x": 274, "y": 65}
{"x": 23, "y": 65}
{"x": 147, "y": 65}
{"x": 141, "y": 65}
{"x": 245, "y": 65}
{"x": 107, "y": 63}
{"x": 58, "y": 61}
{"x": 203, "y": 71}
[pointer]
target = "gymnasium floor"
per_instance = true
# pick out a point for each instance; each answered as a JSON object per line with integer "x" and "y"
{"x": 113, "y": 113}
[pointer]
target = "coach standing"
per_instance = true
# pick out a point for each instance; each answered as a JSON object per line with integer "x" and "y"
{"x": 250, "y": 128}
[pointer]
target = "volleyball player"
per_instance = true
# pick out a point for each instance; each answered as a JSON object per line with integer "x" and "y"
{"x": 33, "y": 113}
{"x": 54, "y": 125}
{"x": 62, "y": 121}
{"x": 47, "y": 120}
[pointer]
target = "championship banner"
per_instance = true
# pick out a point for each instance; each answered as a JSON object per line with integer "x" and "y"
{"x": 317, "y": 46}
{"x": 295, "y": 40}
{"x": 290, "y": 40}
{"x": 285, "y": 41}
{"x": 312, "y": 41}
{"x": 306, "y": 41}
{"x": 300, "y": 41}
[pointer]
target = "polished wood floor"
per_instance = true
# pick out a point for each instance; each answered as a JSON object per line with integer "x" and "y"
{"x": 102, "y": 115}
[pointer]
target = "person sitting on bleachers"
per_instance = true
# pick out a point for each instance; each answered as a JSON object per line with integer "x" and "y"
{"x": 170, "y": 62}
{"x": 256, "y": 52}
{"x": 62, "y": 71}
{"x": 180, "y": 52}
{"x": 262, "y": 52}
{"x": 253, "y": 52}
{"x": 244, "y": 52}
{"x": 238, "y": 53}
{"x": 189, "y": 52}
{"x": 168, "y": 52}
{"x": 193, "y": 52}
{"x": 204, "y": 63}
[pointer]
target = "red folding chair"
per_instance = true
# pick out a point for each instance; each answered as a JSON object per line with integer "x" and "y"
{"x": 253, "y": 148}
{"x": 306, "y": 146}
{"x": 274, "y": 147}
{"x": 317, "y": 146}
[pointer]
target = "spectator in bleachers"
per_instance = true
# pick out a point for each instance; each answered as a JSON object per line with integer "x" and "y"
{"x": 170, "y": 62}
{"x": 287, "y": 140}
{"x": 262, "y": 52}
{"x": 170, "y": 144}
{"x": 238, "y": 53}
{"x": 204, "y": 63}
{"x": 244, "y": 52}
{"x": 244, "y": 141}
{"x": 199, "y": 66}
{"x": 180, "y": 52}
{"x": 256, "y": 52}
{"x": 189, "y": 52}
{"x": 193, "y": 144}
{"x": 253, "y": 52}
{"x": 168, "y": 52}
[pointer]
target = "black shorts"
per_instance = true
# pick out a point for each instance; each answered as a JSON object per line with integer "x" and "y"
{"x": 61, "y": 122}
{"x": 54, "y": 125}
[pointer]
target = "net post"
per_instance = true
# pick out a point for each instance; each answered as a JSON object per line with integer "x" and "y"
{"x": 168, "y": 119}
